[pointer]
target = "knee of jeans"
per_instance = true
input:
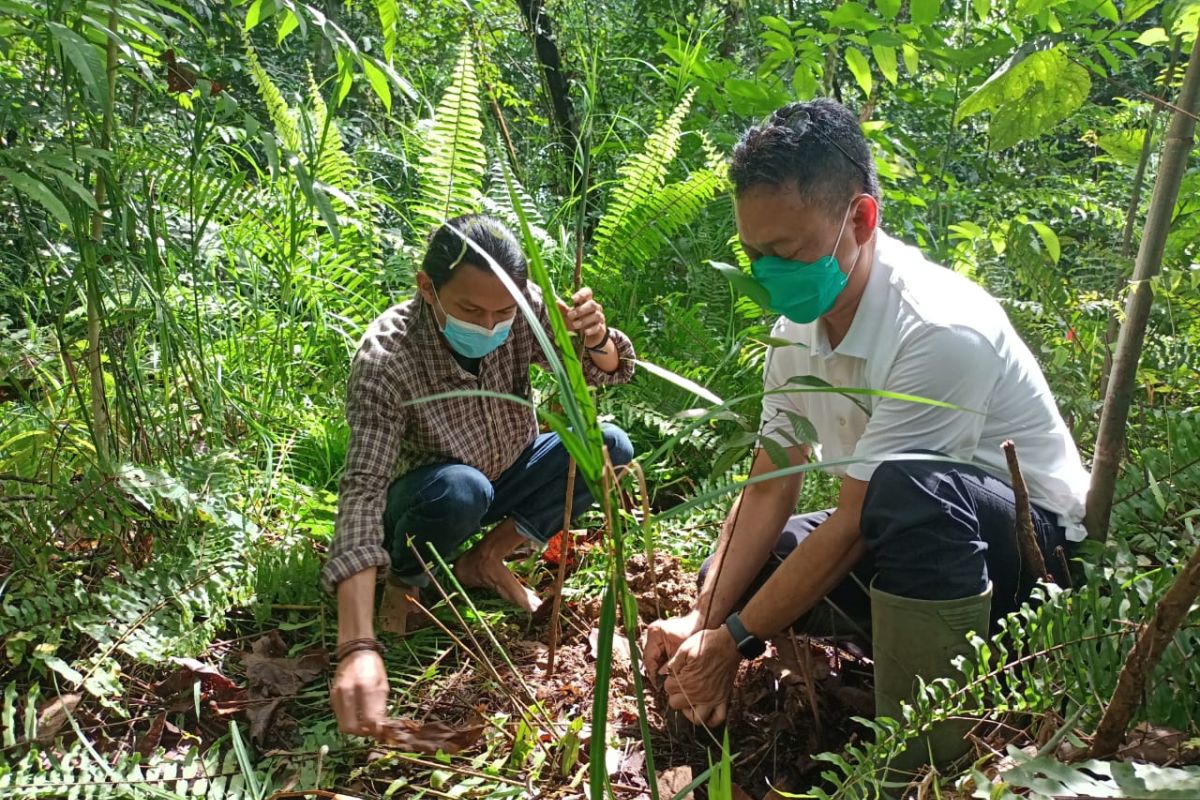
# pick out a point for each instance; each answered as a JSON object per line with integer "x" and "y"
{"x": 459, "y": 497}
{"x": 620, "y": 449}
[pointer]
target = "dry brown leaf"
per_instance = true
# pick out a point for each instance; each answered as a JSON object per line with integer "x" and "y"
{"x": 428, "y": 737}
{"x": 153, "y": 737}
{"x": 178, "y": 684}
{"x": 738, "y": 793}
{"x": 1158, "y": 745}
{"x": 271, "y": 680}
{"x": 53, "y": 716}
{"x": 673, "y": 781}
{"x": 620, "y": 649}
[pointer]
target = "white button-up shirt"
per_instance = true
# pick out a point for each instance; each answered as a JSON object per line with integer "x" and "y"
{"x": 925, "y": 331}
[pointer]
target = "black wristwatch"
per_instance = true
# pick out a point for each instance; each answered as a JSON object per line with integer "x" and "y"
{"x": 749, "y": 645}
{"x": 603, "y": 342}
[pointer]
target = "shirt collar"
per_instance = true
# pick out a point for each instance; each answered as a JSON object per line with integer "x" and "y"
{"x": 433, "y": 349}
{"x": 862, "y": 338}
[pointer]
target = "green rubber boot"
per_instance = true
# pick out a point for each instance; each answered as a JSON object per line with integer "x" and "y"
{"x": 913, "y": 638}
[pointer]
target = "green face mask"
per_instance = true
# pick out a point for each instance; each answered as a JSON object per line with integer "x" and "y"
{"x": 800, "y": 290}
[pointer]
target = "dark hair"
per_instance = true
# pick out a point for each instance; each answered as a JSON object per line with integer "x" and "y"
{"x": 818, "y": 144}
{"x": 448, "y": 250}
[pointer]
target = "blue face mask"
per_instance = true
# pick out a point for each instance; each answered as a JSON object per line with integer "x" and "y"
{"x": 799, "y": 290}
{"x": 470, "y": 340}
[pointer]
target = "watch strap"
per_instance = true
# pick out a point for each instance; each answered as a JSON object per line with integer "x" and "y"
{"x": 749, "y": 645}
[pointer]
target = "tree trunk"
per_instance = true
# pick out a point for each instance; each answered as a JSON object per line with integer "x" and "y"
{"x": 1135, "y": 201}
{"x": 101, "y": 422}
{"x": 1153, "y": 638}
{"x": 1176, "y": 149}
{"x": 562, "y": 111}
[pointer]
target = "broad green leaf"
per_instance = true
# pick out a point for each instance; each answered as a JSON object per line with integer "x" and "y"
{"x": 75, "y": 187}
{"x": 888, "y": 9}
{"x": 389, "y": 22}
{"x": 378, "y": 81}
{"x": 1135, "y": 9}
{"x": 1029, "y": 8}
{"x": 982, "y": 7}
{"x": 855, "y": 16}
{"x": 885, "y": 57}
{"x": 1049, "y": 239}
{"x": 911, "y": 58}
{"x": 38, "y": 192}
{"x": 804, "y": 83}
{"x": 287, "y": 25}
{"x": 1152, "y": 37}
{"x": 1184, "y": 17}
{"x": 924, "y": 12}
{"x": 859, "y": 67}
{"x": 85, "y": 57}
{"x": 64, "y": 669}
{"x": 1123, "y": 146}
{"x": 743, "y": 283}
{"x": 258, "y": 11}
{"x": 1108, "y": 10}
{"x": 1028, "y": 95}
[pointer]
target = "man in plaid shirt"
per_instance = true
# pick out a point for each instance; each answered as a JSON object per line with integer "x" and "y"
{"x": 463, "y": 462}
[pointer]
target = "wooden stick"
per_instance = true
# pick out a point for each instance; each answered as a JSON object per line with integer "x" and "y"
{"x": 1153, "y": 638}
{"x": 1033, "y": 564}
{"x": 564, "y": 553}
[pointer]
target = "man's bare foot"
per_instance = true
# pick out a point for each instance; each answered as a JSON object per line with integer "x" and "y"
{"x": 480, "y": 569}
{"x": 398, "y": 613}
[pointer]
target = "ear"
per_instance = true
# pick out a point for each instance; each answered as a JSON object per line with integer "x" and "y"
{"x": 866, "y": 218}
{"x": 425, "y": 286}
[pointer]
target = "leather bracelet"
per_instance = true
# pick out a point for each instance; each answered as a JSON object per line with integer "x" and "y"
{"x": 603, "y": 342}
{"x": 354, "y": 645}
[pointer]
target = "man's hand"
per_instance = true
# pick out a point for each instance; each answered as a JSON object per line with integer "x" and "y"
{"x": 663, "y": 638}
{"x": 700, "y": 676}
{"x": 586, "y": 318}
{"x": 359, "y": 695}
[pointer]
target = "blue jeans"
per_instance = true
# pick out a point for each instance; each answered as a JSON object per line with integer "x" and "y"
{"x": 933, "y": 531}
{"x": 443, "y": 505}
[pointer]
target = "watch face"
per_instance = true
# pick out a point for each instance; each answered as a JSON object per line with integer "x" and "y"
{"x": 752, "y": 647}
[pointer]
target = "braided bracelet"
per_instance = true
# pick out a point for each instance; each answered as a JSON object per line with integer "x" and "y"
{"x": 354, "y": 645}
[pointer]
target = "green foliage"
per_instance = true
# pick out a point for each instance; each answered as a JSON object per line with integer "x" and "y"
{"x": 645, "y": 210}
{"x": 453, "y": 162}
{"x": 1029, "y": 95}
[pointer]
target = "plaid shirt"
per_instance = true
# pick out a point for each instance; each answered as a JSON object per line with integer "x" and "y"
{"x": 402, "y": 357}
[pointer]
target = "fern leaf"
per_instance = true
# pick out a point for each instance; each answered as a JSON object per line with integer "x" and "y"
{"x": 641, "y": 177}
{"x": 501, "y": 203}
{"x": 277, "y": 108}
{"x": 454, "y": 162}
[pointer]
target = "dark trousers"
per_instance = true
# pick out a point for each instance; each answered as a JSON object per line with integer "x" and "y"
{"x": 443, "y": 505}
{"x": 933, "y": 531}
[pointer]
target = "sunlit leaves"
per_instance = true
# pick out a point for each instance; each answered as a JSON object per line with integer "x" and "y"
{"x": 860, "y": 69}
{"x": 1029, "y": 95}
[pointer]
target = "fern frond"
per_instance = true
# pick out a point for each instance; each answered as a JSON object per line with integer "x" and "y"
{"x": 277, "y": 108}
{"x": 453, "y": 162}
{"x": 641, "y": 177}
{"x": 648, "y": 226}
{"x": 499, "y": 203}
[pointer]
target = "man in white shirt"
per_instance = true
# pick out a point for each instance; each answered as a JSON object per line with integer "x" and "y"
{"x": 921, "y": 547}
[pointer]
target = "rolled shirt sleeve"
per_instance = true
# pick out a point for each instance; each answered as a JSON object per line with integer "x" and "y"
{"x": 626, "y": 354}
{"x": 780, "y": 408}
{"x": 950, "y": 364}
{"x": 375, "y": 416}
